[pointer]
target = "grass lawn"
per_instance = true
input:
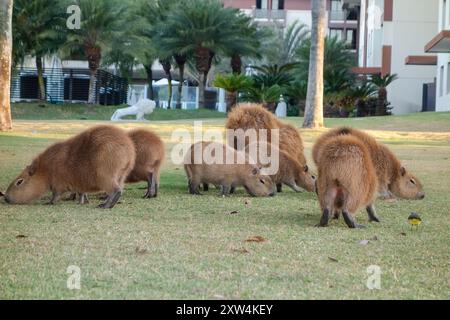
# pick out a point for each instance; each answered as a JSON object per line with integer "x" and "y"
{"x": 179, "y": 246}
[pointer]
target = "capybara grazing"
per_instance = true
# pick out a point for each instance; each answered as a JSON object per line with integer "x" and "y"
{"x": 255, "y": 116}
{"x": 150, "y": 154}
{"x": 290, "y": 171}
{"x": 393, "y": 178}
{"x": 98, "y": 159}
{"x": 347, "y": 180}
{"x": 200, "y": 170}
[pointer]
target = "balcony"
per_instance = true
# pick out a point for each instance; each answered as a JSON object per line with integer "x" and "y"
{"x": 349, "y": 16}
{"x": 269, "y": 15}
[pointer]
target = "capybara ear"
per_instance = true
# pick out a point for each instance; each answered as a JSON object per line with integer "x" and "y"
{"x": 2, "y": 194}
{"x": 32, "y": 169}
{"x": 306, "y": 168}
{"x": 255, "y": 171}
{"x": 402, "y": 171}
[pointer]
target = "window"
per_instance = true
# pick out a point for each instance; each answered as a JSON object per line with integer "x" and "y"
{"x": 336, "y": 33}
{"x": 444, "y": 14}
{"x": 351, "y": 38}
{"x": 261, "y": 4}
{"x": 448, "y": 78}
{"x": 278, "y": 4}
{"x": 441, "y": 81}
{"x": 336, "y": 5}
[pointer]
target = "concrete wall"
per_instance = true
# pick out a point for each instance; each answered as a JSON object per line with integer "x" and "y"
{"x": 442, "y": 71}
{"x": 414, "y": 24}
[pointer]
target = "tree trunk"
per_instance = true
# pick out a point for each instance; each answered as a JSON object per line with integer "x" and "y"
{"x": 5, "y": 63}
{"x": 202, "y": 61}
{"x": 150, "y": 92}
{"x": 181, "y": 62}
{"x": 230, "y": 99}
{"x": 314, "y": 99}
{"x": 381, "y": 102}
{"x": 236, "y": 64}
{"x": 94, "y": 56}
{"x": 41, "y": 82}
{"x": 167, "y": 66}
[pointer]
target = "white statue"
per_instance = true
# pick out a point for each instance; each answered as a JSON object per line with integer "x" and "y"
{"x": 140, "y": 109}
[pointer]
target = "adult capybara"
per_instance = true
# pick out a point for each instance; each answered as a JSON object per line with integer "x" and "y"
{"x": 393, "y": 178}
{"x": 255, "y": 116}
{"x": 289, "y": 170}
{"x": 347, "y": 180}
{"x": 201, "y": 168}
{"x": 98, "y": 159}
{"x": 150, "y": 155}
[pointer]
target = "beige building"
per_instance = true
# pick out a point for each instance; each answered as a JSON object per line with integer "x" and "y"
{"x": 440, "y": 44}
{"x": 392, "y": 34}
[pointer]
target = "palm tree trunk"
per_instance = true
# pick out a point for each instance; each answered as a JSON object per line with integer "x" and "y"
{"x": 181, "y": 62}
{"x": 202, "y": 63}
{"x": 381, "y": 102}
{"x": 92, "y": 82}
{"x": 236, "y": 64}
{"x": 5, "y": 63}
{"x": 231, "y": 99}
{"x": 314, "y": 99}
{"x": 41, "y": 82}
{"x": 167, "y": 66}
{"x": 201, "y": 92}
{"x": 150, "y": 92}
{"x": 94, "y": 56}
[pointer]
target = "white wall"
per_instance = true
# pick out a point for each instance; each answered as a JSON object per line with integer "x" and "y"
{"x": 443, "y": 83}
{"x": 413, "y": 25}
{"x": 302, "y": 15}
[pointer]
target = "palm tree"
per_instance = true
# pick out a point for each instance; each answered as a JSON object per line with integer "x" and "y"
{"x": 100, "y": 20}
{"x": 6, "y": 9}
{"x": 201, "y": 29}
{"x": 314, "y": 100}
{"x": 38, "y": 31}
{"x": 382, "y": 82}
{"x": 232, "y": 83}
{"x": 295, "y": 35}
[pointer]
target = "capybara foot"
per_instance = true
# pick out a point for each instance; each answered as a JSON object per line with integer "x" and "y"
{"x": 55, "y": 199}
{"x": 111, "y": 201}
{"x": 225, "y": 190}
{"x": 350, "y": 221}
{"x": 325, "y": 218}
{"x": 372, "y": 214}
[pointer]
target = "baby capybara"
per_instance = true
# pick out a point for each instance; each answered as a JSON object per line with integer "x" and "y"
{"x": 290, "y": 172}
{"x": 98, "y": 159}
{"x": 347, "y": 180}
{"x": 149, "y": 158}
{"x": 393, "y": 178}
{"x": 255, "y": 116}
{"x": 239, "y": 172}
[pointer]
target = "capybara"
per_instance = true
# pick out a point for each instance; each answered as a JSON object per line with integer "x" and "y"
{"x": 150, "y": 154}
{"x": 201, "y": 170}
{"x": 290, "y": 171}
{"x": 255, "y": 116}
{"x": 393, "y": 178}
{"x": 347, "y": 180}
{"x": 98, "y": 159}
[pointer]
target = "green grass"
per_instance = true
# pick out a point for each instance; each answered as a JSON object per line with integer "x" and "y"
{"x": 36, "y": 111}
{"x": 179, "y": 246}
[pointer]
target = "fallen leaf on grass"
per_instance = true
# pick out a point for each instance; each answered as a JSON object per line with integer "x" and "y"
{"x": 364, "y": 242}
{"x": 21, "y": 236}
{"x": 255, "y": 239}
{"x": 403, "y": 234}
{"x": 374, "y": 238}
{"x": 333, "y": 259}
{"x": 242, "y": 251}
{"x": 141, "y": 250}
{"x": 234, "y": 212}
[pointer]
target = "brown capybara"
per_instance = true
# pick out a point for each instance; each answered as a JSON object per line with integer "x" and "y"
{"x": 150, "y": 155}
{"x": 98, "y": 159}
{"x": 347, "y": 180}
{"x": 201, "y": 169}
{"x": 393, "y": 178}
{"x": 255, "y": 116}
{"x": 289, "y": 171}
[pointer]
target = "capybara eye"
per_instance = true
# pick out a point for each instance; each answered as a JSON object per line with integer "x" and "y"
{"x": 412, "y": 181}
{"x": 262, "y": 181}
{"x": 314, "y": 177}
{"x": 19, "y": 182}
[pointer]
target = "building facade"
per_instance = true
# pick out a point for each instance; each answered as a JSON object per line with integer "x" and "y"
{"x": 391, "y": 38}
{"x": 440, "y": 45}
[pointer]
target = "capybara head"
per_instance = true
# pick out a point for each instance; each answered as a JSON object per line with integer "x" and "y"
{"x": 259, "y": 185}
{"x": 407, "y": 186}
{"x": 27, "y": 187}
{"x": 306, "y": 179}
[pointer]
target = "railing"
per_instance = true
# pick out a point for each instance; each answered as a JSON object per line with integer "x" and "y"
{"x": 269, "y": 14}
{"x": 68, "y": 85}
{"x": 341, "y": 15}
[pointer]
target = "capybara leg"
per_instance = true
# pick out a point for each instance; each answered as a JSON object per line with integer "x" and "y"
{"x": 224, "y": 190}
{"x": 279, "y": 187}
{"x": 372, "y": 213}
{"x": 232, "y": 190}
{"x": 194, "y": 188}
{"x": 55, "y": 198}
{"x": 325, "y": 218}
{"x": 152, "y": 186}
{"x": 83, "y": 198}
{"x": 205, "y": 187}
{"x": 350, "y": 220}
{"x": 336, "y": 214}
{"x": 112, "y": 200}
